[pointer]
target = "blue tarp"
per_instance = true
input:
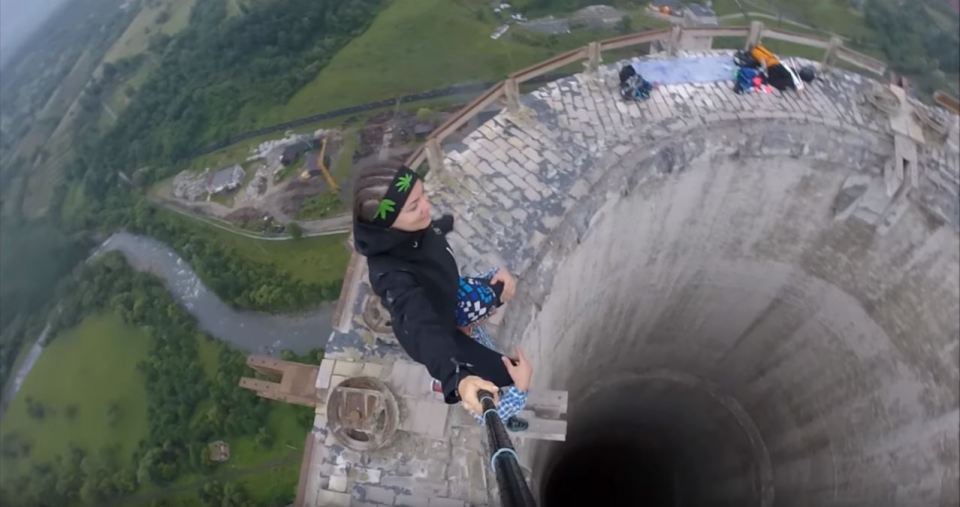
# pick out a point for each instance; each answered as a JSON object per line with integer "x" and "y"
{"x": 701, "y": 69}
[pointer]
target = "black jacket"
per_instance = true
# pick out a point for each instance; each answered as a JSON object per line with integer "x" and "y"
{"x": 416, "y": 277}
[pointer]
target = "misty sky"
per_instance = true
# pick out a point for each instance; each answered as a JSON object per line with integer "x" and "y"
{"x": 19, "y": 18}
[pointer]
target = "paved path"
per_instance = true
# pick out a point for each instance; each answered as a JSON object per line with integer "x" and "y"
{"x": 311, "y": 228}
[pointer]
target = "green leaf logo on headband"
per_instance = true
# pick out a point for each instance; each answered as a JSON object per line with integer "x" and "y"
{"x": 403, "y": 182}
{"x": 386, "y": 206}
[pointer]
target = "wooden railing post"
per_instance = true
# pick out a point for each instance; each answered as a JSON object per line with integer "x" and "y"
{"x": 674, "y": 43}
{"x": 830, "y": 56}
{"x": 756, "y": 33}
{"x": 511, "y": 88}
{"x": 593, "y": 56}
{"x": 434, "y": 155}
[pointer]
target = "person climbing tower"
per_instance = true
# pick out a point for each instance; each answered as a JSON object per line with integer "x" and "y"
{"x": 760, "y": 69}
{"x": 436, "y": 314}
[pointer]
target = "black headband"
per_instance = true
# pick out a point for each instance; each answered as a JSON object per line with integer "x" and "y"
{"x": 397, "y": 193}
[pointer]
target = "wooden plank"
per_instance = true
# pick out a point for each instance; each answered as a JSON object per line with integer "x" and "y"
{"x": 417, "y": 158}
{"x": 634, "y": 39}
{"x": 546, "y": 66}
{"x": 946, "y": 101}
{"x": 796, "y": 38}
{"x": 721, "y": 31}
{"x": 548, "y": 401}
{"x": 861, "y": 60}
{"x": 469, "y": 111}
{"x": 541, "y": 428}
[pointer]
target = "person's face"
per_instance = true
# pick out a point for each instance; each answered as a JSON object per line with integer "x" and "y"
{"x": 415, "y": 215}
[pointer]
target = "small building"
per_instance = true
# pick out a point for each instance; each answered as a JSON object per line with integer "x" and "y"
{"x": 293, "y": 151}
{"x": 226, "y": 179}
{"x": 422, "y": 130}
{"x": 219, "y": 451}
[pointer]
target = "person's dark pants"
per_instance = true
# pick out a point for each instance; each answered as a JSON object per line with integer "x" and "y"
{"x": 485, "y": 363}
{"x": 779, "y": 77}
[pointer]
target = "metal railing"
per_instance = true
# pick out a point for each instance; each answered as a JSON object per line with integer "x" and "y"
{"x": 509, "y": 89}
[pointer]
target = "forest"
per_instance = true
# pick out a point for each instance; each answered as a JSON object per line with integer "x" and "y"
{"x": 917, "y": 41}
{"x": 215, "y": 69}
{"x": 30, "y": 78}
{"x": 239, "y": 282}
{"x": 35, "y": 264}
{"x": 176, "y": 387}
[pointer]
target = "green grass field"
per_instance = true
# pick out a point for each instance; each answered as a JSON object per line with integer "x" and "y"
{"x": 56, "y": 144}
{"x": 134, "y": 40}
{"x": 825, "y": 16}
{"x": 320, "y": 206}
{"x": 288, "y": 437}
{"x": 90, "y": 367}
{"x": 319, "y": 259}
{"x": 263, "y": 472}
{"x": 411, "y": 46}
{"x": 208, "y": 352}
{"x": 724, "y": 7}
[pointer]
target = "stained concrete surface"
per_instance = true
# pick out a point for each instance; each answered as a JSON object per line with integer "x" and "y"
{"x": 690, "y": 269}
{"x": 839, "y": 347}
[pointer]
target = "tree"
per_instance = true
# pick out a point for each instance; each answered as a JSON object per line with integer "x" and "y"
{"x": 113, "y": 413}
{"x": 426, "y": 114}
{"x": 35, "y": 409}
{"x": 264, "y": 438}
{"x": 158, "y": 42}
{"x": 235, "y": 496}
{"x": 211, "y": 494}
{"x": 91, "y": 492}
{"x": 109, "y": 71}
{"x": 295, "y": 230}
{"x": 625, "y": 25}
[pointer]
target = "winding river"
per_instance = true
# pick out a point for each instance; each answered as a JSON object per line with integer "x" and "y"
{"x": 247, "y": 330}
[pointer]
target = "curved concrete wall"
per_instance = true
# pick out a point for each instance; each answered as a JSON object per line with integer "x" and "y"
{"x": 709, "y": 314}
{"x": 742, "y": 315}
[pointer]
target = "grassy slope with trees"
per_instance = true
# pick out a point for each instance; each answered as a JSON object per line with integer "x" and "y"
{"x": 417, "y": 45}
{"x": 185, "y": 407}
{"x": 411, "y": 46}
{"x": 71, "y": 399}
{"x": 167, "y": 17}
{"x": 317, "y": 260}
{"x": 237, "y": 280}
{"x": 211, "y": 71}
{"x": 914, "y": 41}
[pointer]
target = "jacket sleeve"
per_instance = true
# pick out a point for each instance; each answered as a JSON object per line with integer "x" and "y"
{"x": 444, "y": 223}
{"x": 423, "y": 335}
